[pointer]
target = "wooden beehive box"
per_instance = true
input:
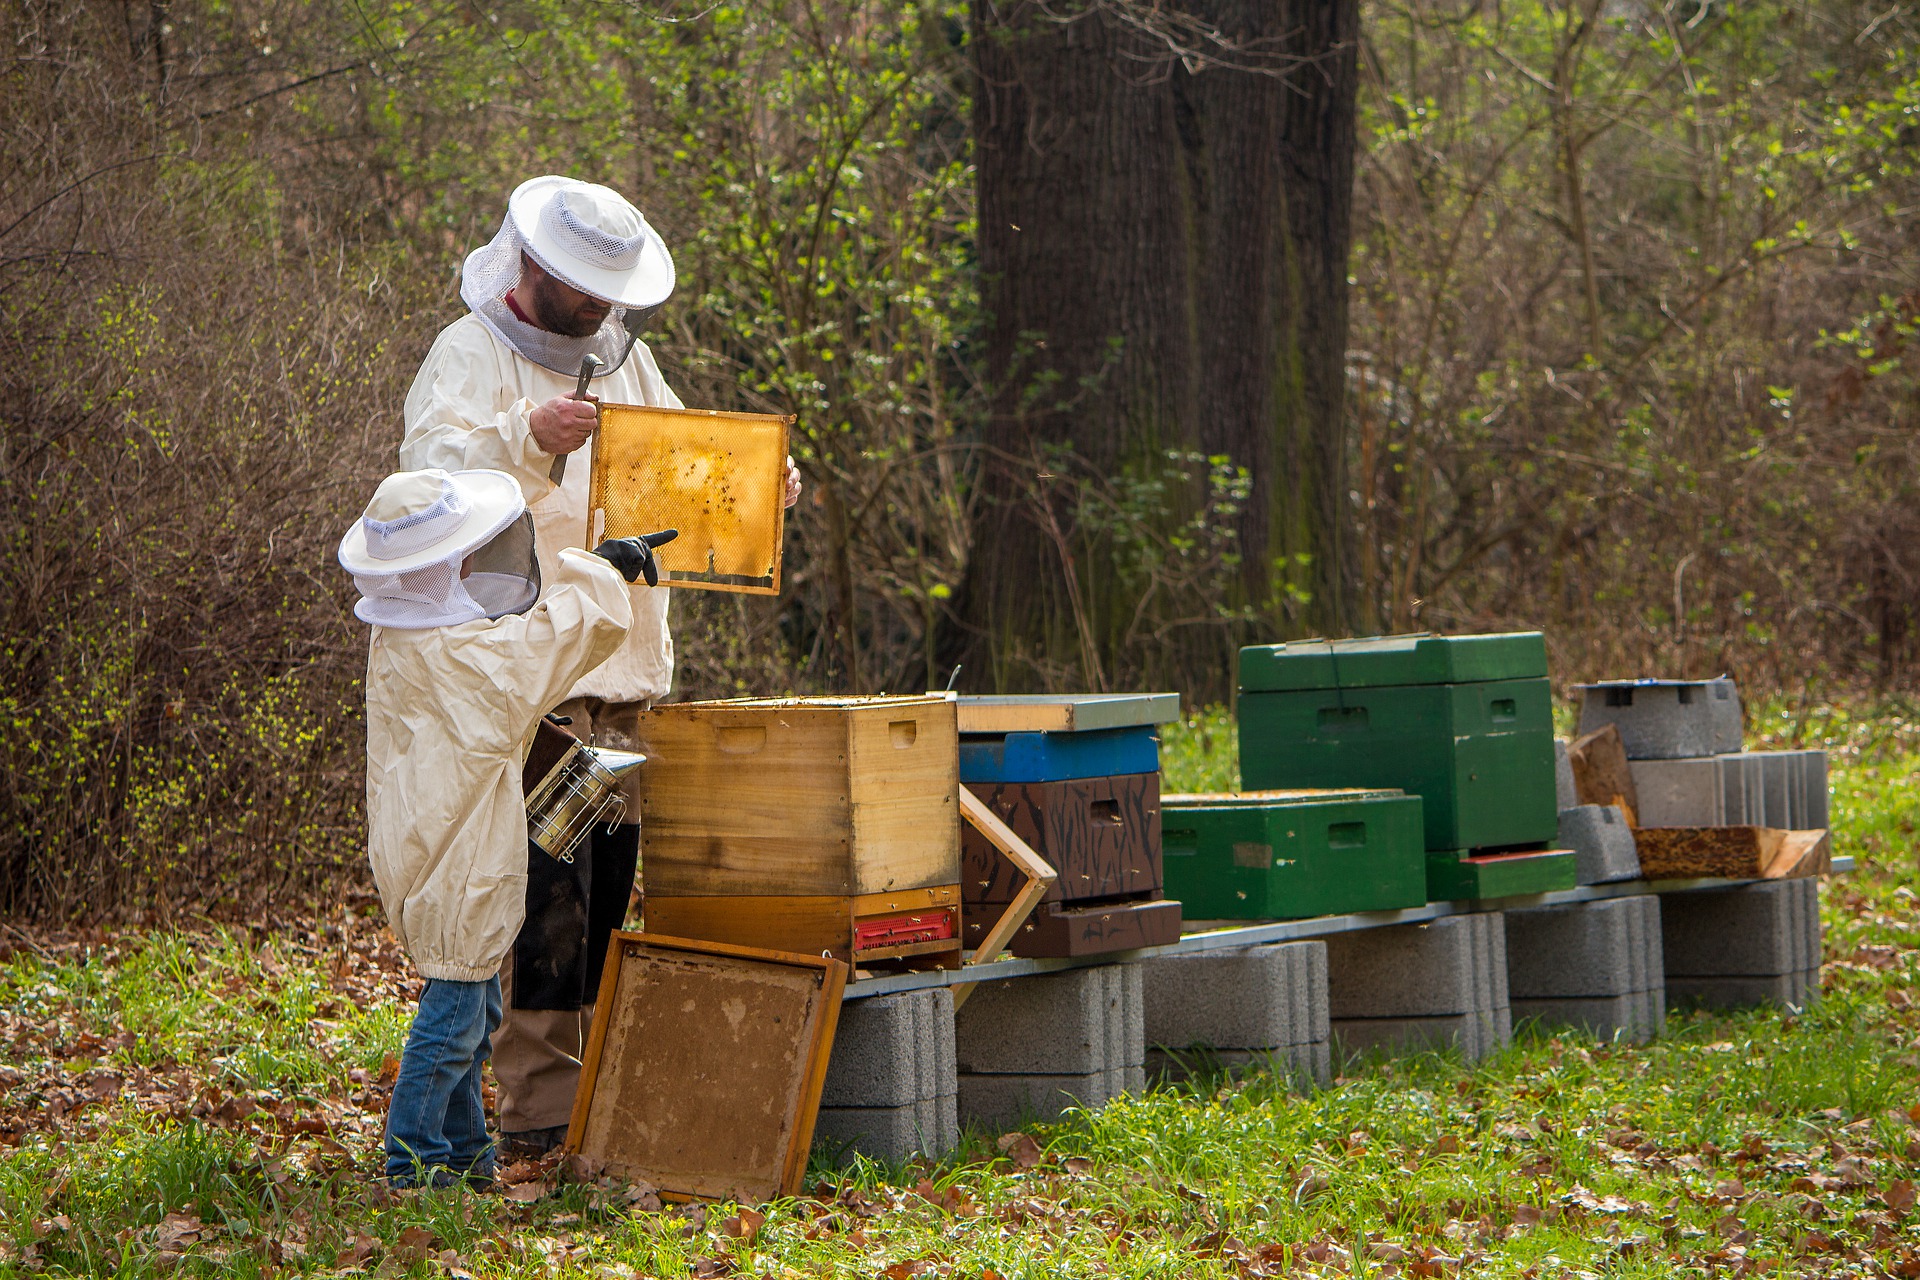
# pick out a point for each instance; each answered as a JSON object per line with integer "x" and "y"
{"x": 807, "y": 797}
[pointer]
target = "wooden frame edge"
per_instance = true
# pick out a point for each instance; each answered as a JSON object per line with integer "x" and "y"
{"x": 833, "y": 986}
{"x": 1040, "y": 877}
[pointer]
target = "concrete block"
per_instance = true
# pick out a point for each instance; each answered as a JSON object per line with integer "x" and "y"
{"x": 1313, "y": 1064}
{"x": 1790, "y": 990}
{"x": 1475, "y": 1035}
{"x": 890, "y": 1134}
{"x": 1254, "y": 998}
{"x": 1310, "y": 991}
{"x": 1602, "y": 843}
{"x": 1698, "y": 792}
{"x": 1815, "y": 796}
{"x": 1754, "y": 930}
{"x": 1446, "y": 966}
{"x": 1628, "y": 1017}
{"x": 1785, "y": 789}
{"x": 1583, "y": 949}
{"x": 1778, "y": 770}
{"x": 1079, "y": 1022}
{"x": 892, "y": 1051}
{"x": 999, "y": 1100}
{"x": 1566, "y": 793}
{"x": 1666, "y": 719}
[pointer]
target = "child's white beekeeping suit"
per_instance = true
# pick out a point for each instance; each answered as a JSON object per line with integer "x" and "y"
{"x": 461, "y": 667}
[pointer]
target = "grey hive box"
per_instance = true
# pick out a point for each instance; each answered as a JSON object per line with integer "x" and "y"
{"x": 1665, "y": 719}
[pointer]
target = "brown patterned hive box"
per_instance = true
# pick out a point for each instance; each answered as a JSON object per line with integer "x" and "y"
{"x": 1078, "y": 780}
{"x": 806, "y": 824}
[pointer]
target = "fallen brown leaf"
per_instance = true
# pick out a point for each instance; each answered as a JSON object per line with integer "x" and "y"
{"x": 744, "y": 1225}
{"x": 1020, "y": 1148}
{"x": 413, "y": 1244}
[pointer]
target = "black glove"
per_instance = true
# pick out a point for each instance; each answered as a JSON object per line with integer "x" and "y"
{"x": 633, "y": 557}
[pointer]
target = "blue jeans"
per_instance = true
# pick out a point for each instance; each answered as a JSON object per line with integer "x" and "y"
{"x": 436, "y": 1120}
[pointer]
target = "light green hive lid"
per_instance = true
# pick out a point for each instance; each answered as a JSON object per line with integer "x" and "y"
{"x": 1381, "y": 661}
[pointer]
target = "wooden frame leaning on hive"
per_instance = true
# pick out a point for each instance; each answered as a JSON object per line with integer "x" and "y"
{"x": 705, "y": 1066}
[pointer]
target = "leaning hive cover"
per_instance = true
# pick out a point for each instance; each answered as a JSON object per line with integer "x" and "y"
{"x": 719, "y": 478}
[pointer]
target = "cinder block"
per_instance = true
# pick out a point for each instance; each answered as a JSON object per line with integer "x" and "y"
{"x": 892, "y": 1051}
{"x": 1792, "y": 990}
{"x": 1310, "y": 992}
{"x": 1631, "y": 1016}
{"x": 991, "y": 1099}
{"x": 1602, "y": 843}
{"x": 1665, "y": 719}
{"x": 891, "y": 1134}
{"x": 1475, "y": 1035}
{"x": 1813, "y": 782}
{"x": 1446, "y": 966}
{"x": 1080, "y": 1022}
{"x": 1785, "y": 789}
{"x": 1753, "y": 930}
{"x": 1256, "y": 998}
{"x": 1566, "y": 792}
{"x": 1698, "y": 792}
{"x": 1583, "y": 949}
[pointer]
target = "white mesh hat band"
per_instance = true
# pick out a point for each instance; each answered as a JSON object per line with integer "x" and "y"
{"x": 393, "y": 539}
{"x": 586, "y": 242}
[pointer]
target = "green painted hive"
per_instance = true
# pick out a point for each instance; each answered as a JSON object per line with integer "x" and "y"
{"x": 1453, "y": 876}
{"x": 1464, "y": 722}
{"x": 1285, "y": 855}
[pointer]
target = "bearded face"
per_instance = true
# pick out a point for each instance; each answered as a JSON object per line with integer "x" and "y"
{"x": 557, "y": 307}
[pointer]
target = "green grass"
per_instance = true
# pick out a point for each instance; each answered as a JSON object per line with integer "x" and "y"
{"x": 1737, "y": 1144}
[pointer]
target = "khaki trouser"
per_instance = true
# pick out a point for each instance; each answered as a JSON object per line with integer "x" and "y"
{"x": 536, "y": 1052}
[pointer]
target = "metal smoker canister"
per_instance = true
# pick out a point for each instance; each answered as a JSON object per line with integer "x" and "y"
{"x": 577, "y": 792}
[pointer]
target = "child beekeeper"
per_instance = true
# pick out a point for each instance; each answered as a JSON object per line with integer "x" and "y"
{"x": 462, "y": 665}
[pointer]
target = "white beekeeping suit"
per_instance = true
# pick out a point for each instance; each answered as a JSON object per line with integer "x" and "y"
{"x": 471, "y": 403}
{"x": 461, "y": 666}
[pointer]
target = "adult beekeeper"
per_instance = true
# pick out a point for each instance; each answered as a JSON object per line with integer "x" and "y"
{"x": 467, "y": 652}
{"x": 572, "y": 269}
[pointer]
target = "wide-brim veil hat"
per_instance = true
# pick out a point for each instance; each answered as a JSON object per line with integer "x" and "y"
{"x": 592, "y": 238}
{"x": 420, "y": 518}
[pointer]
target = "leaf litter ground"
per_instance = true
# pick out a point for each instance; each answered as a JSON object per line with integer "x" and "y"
{"x": 209, "y": 1102}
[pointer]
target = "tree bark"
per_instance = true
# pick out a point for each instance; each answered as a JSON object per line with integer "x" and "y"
{"x": 1163, "y": 249}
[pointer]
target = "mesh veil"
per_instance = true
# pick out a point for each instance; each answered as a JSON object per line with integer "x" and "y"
{"x": 489, "y": 275}
{"x": 504, "y": 578}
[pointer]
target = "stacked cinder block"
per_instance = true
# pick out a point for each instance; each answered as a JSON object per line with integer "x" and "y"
{"x": 1597, "y": 966}
{"x": 891, "y": 1091}
{"x": 1683, "y": 743}
{"x": 1257, "y": 1007}
{"x": 1421, "y": 986}
{"x": 1032, "y": 1047}
{"x": 1602, "y": 843}
{"x": 1784, "y": 789}
{"x": 1755, "y": 944}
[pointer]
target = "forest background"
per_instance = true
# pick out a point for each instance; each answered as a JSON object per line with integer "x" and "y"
{"x": 1630, "y": 360}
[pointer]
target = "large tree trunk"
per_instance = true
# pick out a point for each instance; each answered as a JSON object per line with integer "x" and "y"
{"x": 1163, "y": 251}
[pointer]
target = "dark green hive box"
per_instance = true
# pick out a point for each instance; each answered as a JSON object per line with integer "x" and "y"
{"x": 1464, "y": 722}
{"x": 1288, "y": 855}
{"x": 1453, "y": 876}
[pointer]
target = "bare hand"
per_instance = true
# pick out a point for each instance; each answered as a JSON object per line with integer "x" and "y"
{"x": 793, "y": 483}
{"x": 563, "y": 423}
